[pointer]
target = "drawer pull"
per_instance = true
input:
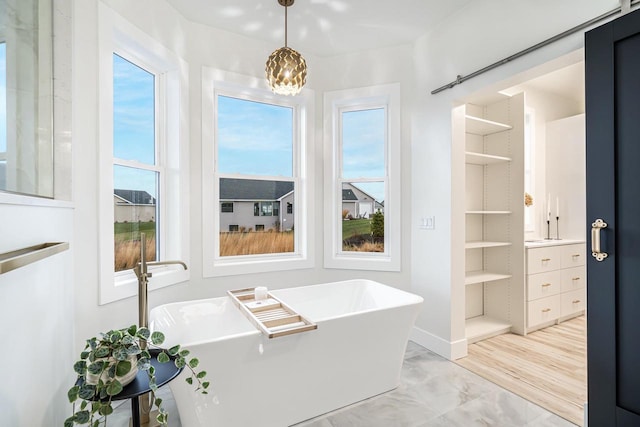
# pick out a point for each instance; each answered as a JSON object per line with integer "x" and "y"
{"x": 545, "y": 285}
{"x": 575, "y": 255}
{"x": 546, "y": 259}
{"x": 546, "y": 310}
{"x": 575, "y": 278}
{"x": 576, "y": 301}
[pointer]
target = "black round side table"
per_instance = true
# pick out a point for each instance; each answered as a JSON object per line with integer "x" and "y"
{"x": 165, "y": 372}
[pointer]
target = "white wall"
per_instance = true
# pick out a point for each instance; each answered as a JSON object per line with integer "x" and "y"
{"x": 546, "y": 107}
{"x": 36, "y": 308}
{"x": 481, "y": 33}
{"x": 566, "y": 175}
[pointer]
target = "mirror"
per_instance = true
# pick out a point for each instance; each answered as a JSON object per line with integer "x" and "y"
{"x": 26, "y": 97}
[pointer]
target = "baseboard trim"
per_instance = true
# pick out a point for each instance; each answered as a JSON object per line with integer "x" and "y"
{"x": 451, "y": 350}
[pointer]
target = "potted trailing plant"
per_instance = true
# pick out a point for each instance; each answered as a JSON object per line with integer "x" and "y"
{"x": 109, "y": 362}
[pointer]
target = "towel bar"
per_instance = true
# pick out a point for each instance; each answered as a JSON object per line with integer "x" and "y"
{"x": 21, "y": 257}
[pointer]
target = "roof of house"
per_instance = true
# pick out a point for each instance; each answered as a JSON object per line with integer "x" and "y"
{"x": 253, "y": 189}
{"x": 136, "y": 197}
{"x": 348, "y": 194}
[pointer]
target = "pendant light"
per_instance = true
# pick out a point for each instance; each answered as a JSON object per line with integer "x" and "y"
{"x": 286, "y": 69}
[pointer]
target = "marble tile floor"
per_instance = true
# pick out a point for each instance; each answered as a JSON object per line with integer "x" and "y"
{"x": 432, "y": 392}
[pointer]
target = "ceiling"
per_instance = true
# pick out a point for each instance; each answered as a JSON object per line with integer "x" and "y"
{"x": 566, "y": 82}
{"x": 327, "y": 28}
{"x": 323, "y": 27}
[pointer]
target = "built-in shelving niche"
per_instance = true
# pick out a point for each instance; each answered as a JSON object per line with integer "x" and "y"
{"x": 492, "y": 148}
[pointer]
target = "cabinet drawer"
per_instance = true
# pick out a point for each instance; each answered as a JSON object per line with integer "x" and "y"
{"x": 573, "y": 255}
{"x": 544, "y": 284}
{"x": 543, "y": 310}
{"x": 573, "y": 278}
{"x": 544, "y": 259}
{"x": 573, "y": 302}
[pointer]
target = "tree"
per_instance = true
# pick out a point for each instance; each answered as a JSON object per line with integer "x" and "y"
{"x": 377, "y": 225}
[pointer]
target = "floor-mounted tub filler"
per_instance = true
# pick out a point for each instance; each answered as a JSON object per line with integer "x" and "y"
{"x": 351, "y": 347}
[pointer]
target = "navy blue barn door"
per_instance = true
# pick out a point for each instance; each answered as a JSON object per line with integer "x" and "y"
{"x": 612, "y": 71}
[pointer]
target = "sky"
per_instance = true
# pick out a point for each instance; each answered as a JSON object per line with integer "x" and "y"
{"x": 253, "y": 138}
{"x": 133, "y": 125}
{"x": 363, "y": 137}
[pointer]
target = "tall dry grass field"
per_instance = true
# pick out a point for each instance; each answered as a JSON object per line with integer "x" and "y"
{"x": 127, "y": 253}
{"x": 256, "y": 243}
{"x": 364, "y": 247}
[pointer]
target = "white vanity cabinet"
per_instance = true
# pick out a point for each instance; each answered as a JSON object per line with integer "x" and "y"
{"x": 555, "y": 281}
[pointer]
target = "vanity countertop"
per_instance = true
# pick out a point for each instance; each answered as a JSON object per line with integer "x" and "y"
{"x": 538, "y": 243}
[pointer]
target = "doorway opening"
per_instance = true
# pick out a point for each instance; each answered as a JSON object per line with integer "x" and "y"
{"x": 525, "y": 234}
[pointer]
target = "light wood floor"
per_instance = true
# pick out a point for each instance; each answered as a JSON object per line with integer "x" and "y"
{"x": 547, "y": 367}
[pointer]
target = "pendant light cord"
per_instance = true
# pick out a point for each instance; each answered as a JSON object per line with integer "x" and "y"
{"x": 285, "y": 25}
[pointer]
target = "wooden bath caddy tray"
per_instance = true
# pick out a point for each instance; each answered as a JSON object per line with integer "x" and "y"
{"x": 273, "y": 317}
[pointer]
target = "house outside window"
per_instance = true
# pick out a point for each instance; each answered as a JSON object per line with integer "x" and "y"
{"x": 233, "y": 228}
{"x": 363, "y": 178}
{"x": 226, "y": 207}
{"x": 255, "y": 156}
{"x": 259, "y": 227}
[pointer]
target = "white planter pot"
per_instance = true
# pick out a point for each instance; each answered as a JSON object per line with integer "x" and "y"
{"x": 124, "y": 380}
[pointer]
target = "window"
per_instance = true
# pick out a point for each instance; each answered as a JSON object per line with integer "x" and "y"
{"x": 289, "y": 208}
{"x": 266, "y": 209}
{"x": 363, "y": 178}
{"x": 136, "y": 170}
{"x": 233, "y": 227}
{"x": 254, "y": 153}
{"x": 140, "y": 148}
{"x": 226, "y": 207}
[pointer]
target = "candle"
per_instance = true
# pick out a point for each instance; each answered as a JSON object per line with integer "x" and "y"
{"x": 549, "y": 206}
{"x": 557, "y": 207}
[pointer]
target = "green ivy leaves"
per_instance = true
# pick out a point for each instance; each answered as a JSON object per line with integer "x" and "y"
{"x": 107, "y": 358}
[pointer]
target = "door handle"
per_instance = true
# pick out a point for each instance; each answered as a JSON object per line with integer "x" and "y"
{"x": 595, "y": 240}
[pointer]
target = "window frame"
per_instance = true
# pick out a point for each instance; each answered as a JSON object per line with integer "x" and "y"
{"x": 116, "y": 35}
{"x": 335, "y": 103}
{"x": 217, "y": 82}
{"x": 222, "y": 207}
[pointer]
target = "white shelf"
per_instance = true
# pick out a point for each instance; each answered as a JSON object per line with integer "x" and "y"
{"x": 488, "y": 212}
{"x": 481, "y": 327}
{"x": 478, "y": 126}
{"x": 472, "y": 277}
{"x": 484, "y": 244}
{"x": 484, "y": 159}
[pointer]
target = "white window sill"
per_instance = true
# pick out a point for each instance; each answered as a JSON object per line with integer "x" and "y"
{"x": 253, "y": 265}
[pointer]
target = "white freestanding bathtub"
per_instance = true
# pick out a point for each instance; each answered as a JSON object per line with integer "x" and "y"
{"x": 355, "y": 353}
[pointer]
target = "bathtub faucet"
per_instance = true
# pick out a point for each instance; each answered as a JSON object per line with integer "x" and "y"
{"x": 143, "y": 276}
{"x": 143, "y": 280}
